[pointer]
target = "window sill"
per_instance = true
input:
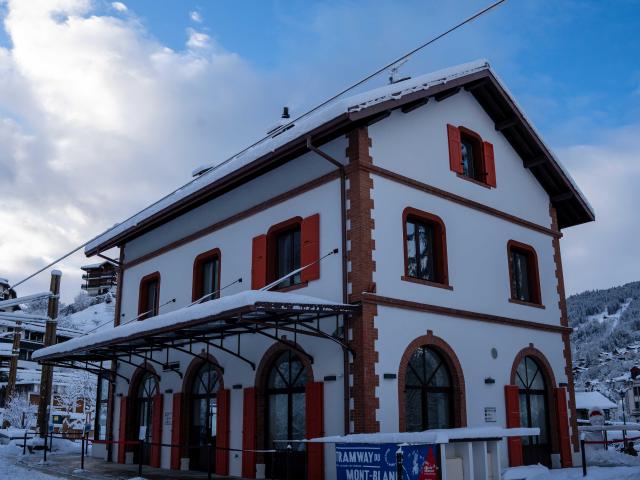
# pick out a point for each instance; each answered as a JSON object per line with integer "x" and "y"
{"x": 526, "y": 304}
{"x": 290, "y": 287}
{"x": 426, "y": 282}
{"x": 473, "y": 180}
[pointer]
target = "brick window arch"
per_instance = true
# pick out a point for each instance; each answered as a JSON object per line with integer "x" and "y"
{"x": 445, "y": 354}
{"x": 425, "y": 248}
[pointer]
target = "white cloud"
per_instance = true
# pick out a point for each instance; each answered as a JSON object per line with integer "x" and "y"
{"x": 98, "y": 119}
{"x": 195, "y": 16}
{"x": 604, "y": 253}
{"x": 198, "y": 39}
{"x": 119, "y": 6}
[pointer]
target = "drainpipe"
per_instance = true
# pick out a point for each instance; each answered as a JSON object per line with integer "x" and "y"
{"x": 343, "y": 207}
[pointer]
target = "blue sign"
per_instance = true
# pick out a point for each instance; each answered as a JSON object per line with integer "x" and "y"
{"x": 358, "y": 461}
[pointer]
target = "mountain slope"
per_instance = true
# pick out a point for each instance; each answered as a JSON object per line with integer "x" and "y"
{"x": 606, "y": 335}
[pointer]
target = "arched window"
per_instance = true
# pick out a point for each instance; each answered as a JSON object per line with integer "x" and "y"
{"x": 204, "y": 411}
{"x": 533, "y": 411}
{"x": 147, "y": 389}
{"x": 285, "y": 390}
{"x": 428, "y": 391}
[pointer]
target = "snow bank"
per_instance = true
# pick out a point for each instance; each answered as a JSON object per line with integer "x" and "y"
{"x": 525, "y": 472}
{"x": 611, "y": 458}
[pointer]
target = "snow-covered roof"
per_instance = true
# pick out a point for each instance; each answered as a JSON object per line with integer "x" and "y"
{"x": 430, "y": 436}
{"x": 589, "y": 400}
{"x": 302, "y": 127}
{"x": 209, "y": 314}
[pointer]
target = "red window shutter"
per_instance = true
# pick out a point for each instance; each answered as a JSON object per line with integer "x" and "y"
{"x": 176, "y": 430}
{"x": 489, "y": 164}
{"x": 560, "y": 395}
{"x": 512, "y": 400}
{"x": 222, "y": 432}
{"x": 156, "y": 430}
{"x": 122, "y": 430}
{"x": 315, "y": 428}
{"x": 259, "y": 262}
{"x": 310, "y": 248}
{"x": 455, "y": 149}
{"x": 249, "y": 433}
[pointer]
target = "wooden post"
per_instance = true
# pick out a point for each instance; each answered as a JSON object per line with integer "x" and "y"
{"x": 46, "y": 377}
{"x": 13, "y": 365}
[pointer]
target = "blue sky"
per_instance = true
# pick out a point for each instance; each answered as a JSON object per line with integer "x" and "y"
{"x": 96, "y": 93}
{"x": 571, "y": 64}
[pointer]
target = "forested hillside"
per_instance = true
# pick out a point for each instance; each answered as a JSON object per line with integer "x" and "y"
{"x": 606, "y": 334}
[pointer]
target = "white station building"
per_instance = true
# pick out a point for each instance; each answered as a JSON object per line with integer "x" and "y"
{"x": 443, "y": 306}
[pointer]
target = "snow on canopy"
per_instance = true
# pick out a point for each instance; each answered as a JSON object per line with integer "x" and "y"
{"x": 430, "y": 436}
{"x": 589, "y": 400}
{"x": 183, "y": 315}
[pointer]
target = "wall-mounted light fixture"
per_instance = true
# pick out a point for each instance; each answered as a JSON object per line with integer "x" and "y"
{"x": 489, "y": 380}
{"x": 389, "y": 376}
{"x": 169, "y": 390}
{"x": 237, "y": 386}
{"x": 330, "y": 378}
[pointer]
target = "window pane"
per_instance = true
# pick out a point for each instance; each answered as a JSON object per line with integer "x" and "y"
{"x": 207, "y": 273}
{"x": 278, "y": 417}
{"x": 417, "y": 366}
{"x": 152, "y": 298}
{"x": 425, "y": 242}
{"x": 438, "y": 410}
{"x": 521, "y": 276}
{"x": 298, "y": 420}
{"x": 288, "y": 256}
{"x": 467, "y": 159}
{"x": 539, "y": 415}
{"x": 413, "y": 410}
{"x": 412, "y": 263}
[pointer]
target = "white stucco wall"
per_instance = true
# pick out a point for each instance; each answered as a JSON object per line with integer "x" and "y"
{"x": 414, "y": 145}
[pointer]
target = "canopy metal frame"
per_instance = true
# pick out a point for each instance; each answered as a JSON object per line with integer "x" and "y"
{"x": 276, "y": 321}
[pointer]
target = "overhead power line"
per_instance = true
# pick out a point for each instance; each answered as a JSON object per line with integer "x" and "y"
{"x": 290, "y": 123}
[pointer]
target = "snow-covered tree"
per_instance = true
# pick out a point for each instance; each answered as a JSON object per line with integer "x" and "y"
{"x": 19, "y": 412}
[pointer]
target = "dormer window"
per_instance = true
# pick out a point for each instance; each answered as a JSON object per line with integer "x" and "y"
{"x": 470, "y": 157}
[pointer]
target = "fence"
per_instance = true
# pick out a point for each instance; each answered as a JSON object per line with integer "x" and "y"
{"x": 606, "y": 442}
{"x": 280, "y": 458}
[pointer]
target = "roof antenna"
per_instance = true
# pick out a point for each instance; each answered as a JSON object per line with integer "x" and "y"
{"x": 285, "y": 113}
{"x": 393, "y": 72}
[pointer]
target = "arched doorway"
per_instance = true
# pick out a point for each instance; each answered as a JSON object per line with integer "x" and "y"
{"x": 144, "y": 404}
{"x": 428, "y": 391}
{"x": 534, "y": 411}
{"x": 285, "y": 415}
{"x": 202, "y": 416}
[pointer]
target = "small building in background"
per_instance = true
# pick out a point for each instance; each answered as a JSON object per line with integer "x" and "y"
{"x": 586, "y": 401}
{"x": 6, "y": 292}
{"x": 99, "y": 278}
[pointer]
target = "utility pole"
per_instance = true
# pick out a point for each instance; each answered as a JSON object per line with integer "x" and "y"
{"x": 13, "y": 366}
{"x": 46, "y": 378}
